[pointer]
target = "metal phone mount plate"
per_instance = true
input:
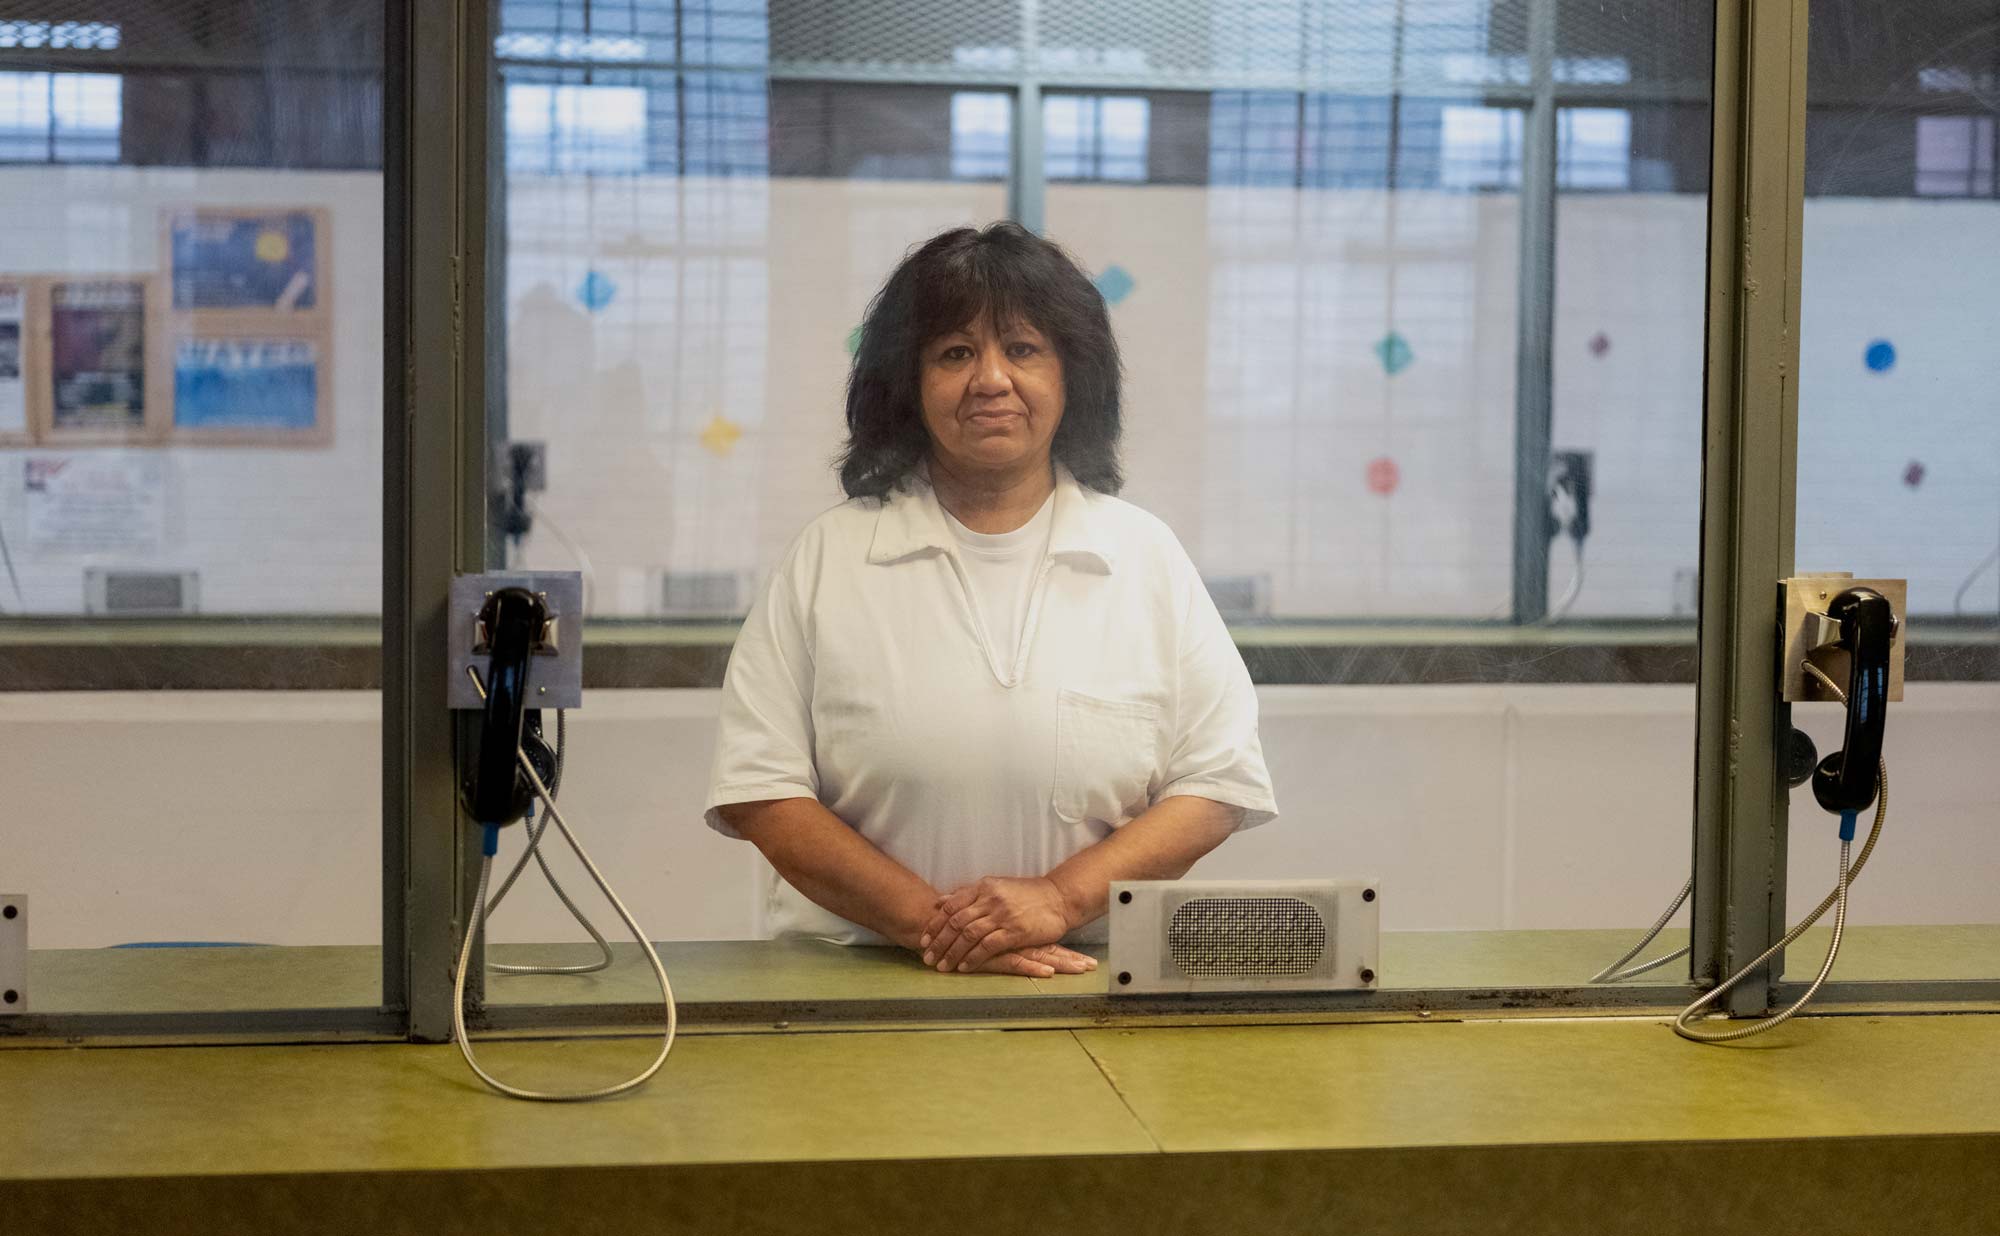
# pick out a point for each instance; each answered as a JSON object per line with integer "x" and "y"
{"x": 555, "y": 680}
{"x": 1809, "y": 634}
{"x": 13, "y": 954}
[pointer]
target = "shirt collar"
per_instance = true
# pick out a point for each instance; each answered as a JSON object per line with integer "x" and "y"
{"x": 912, "y": 520}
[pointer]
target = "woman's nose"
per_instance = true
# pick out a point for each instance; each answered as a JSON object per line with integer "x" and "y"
{"x": 989, "y": 376}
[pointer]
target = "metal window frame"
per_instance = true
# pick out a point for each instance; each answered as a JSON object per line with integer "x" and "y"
{"x": 439, "y": 295}
{"x": 437, "y": 112}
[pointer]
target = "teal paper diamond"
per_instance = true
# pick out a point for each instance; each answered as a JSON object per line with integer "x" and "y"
{"x": 854, "y": 341}
{"x": 596, "y": 291}
{"x": 1115, "y": 284}
{"x": 1395, "y": 354}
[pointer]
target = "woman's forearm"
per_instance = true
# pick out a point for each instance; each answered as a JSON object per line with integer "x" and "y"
{"x": 1161, "y": 843}
{"x": 836, "y": 867}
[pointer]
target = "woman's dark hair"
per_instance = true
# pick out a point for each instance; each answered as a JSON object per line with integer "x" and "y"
{"x": 949, "y": 282}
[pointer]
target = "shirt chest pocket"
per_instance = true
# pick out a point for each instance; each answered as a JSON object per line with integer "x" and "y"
{"x": 1106, "y": 754}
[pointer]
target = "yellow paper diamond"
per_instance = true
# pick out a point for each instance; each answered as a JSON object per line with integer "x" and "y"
{"x": 720, "y": 435}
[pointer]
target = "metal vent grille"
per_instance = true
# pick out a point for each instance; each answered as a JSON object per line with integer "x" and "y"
{"x": 140, "y": 592}
{"x": 1240, "y": 597}
{"x": 1246, "y": 937}
{"x": 700, "y": 594}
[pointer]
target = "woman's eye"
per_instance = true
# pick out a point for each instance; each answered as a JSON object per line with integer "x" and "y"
{"x": 1022, "y": 349}
{"x": 957, "y": 351}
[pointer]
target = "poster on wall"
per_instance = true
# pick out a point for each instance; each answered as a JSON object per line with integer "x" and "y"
{"x": 247, "y": 383}
{"x": 97, "y": 333}
{"x": 96, "y": 502}
{"x": 239, "y": 259}
{"x": 13, "y": 359}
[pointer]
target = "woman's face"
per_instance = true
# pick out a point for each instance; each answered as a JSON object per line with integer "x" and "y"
{"x": 992, "y": 397}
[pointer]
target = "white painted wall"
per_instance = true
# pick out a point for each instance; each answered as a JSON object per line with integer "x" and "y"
{"x": 1255, "y": 401}
{"x": 270, "y": 531}
{"x": 256, "y": 816}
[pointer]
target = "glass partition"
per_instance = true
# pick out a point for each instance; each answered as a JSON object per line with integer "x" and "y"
{"x": 1473, "y": 677}
{"x": 191, "y": 329}
{"x": 1899, "y": 462}
{"x": 1337, "y": 438}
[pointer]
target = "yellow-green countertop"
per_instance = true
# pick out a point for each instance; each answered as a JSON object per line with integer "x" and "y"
{"x": 1877, "y": 1124}
{"x": 1604, "y": 1125}
{"x": 153, "y": 980}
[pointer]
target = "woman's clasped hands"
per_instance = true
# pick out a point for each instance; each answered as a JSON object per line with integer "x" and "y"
{"x": 1005, "y": 925}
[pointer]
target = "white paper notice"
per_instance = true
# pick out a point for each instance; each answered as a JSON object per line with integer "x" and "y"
{"x": 13, "y": 359}
{"x": 96, "y": 503}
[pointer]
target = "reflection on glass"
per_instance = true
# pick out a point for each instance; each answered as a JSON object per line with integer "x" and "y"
{"x": 1899, "y": 460}
{"x": 190, "y": 457}
{"x": 1312, "y": 258}
{"x": 1332, "y": 437}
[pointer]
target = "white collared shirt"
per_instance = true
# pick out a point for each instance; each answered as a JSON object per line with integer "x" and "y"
{"x": 863, "y": 678}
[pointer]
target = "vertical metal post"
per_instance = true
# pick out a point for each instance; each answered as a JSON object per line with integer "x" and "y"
{"x": 434, "y": 460}
{"x": 1534, "y": 363}
{"x": 396, "y": 473}
{"x": 1026, "y": 187}
{"x": 1749, "y": 486}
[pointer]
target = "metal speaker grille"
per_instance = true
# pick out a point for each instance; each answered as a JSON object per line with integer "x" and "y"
{"x": 1247, "y": 937}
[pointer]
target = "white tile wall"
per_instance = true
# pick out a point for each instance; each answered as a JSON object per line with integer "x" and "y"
{"x": 256, "y": 816}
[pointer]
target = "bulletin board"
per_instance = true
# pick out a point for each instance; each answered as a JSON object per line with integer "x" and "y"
{"x": 17, "y": 375}
{"x": 95, "y": 373}
{"x": 252, "y": 386}
{"x": 230, "y": 343}
{"x": 250, "y": 325}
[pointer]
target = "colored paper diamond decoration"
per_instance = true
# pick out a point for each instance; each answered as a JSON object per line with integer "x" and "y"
{"x": 720, "y": 435}
{"x": 1383, "y": 476}
{"x": 1881, "y": 356}
{"x": 1115, "y": 284}
{"x": 854, "y": 341}
{"x": 596, "y": 290}
{"x": 1913, "y": 475}
{"x": 1600, "y": 343}
{"x": 1394, "y": 353}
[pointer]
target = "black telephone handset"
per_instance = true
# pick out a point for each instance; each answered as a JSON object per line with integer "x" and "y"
{"x": 1845, "y": 780}
{"x": 498, "y": 792}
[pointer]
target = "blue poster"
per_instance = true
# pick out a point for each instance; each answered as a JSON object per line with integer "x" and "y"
{"x": 233, "y": 260}
{"x": 246, "y": 384}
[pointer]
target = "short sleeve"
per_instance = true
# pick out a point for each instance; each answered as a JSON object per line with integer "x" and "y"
{"x": 1215, "y": 751}
{"x": 764, "y": 739}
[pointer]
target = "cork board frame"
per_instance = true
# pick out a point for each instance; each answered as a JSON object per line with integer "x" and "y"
{"x": 264, "y": 384}
{"x": 249, "y": 292}
{"x": 19, "y": 374}
{"x": 239, "y": 266}
{"x": 61, "y": 314}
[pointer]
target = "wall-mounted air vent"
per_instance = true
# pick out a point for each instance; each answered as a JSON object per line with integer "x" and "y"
{"x": 121, "y": 593}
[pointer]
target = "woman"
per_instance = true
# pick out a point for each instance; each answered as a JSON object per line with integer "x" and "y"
{"x": 984, "y": 687}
